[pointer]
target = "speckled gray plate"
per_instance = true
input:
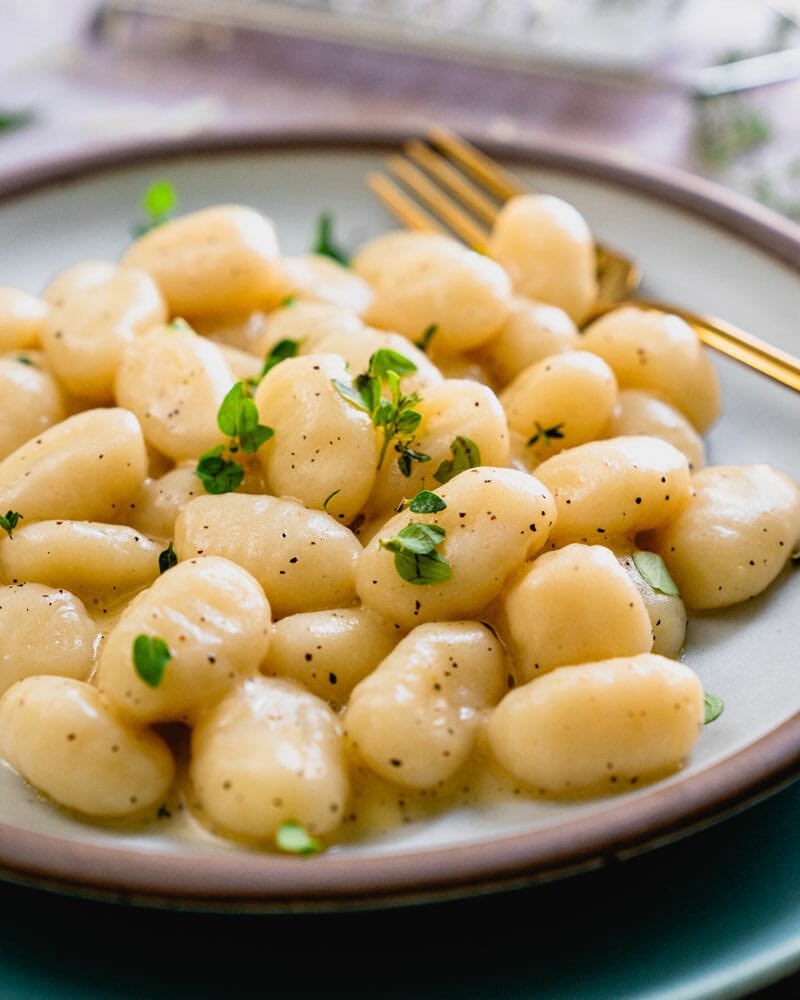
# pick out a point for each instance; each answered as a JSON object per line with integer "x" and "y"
{"x": 698, "y": 246}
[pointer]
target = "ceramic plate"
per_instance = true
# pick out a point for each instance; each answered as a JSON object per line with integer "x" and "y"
{"x": 697, "y": 247}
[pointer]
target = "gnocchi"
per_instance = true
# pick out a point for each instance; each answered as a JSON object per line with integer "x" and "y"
{"x": 284, "y": 540}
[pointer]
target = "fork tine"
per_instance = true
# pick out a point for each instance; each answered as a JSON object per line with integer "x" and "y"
{"x": 442, "y": 170}
{"x": 401, "y": 206}
{"x": 618, "y": 279}
{"x": 498, "y": 180}
{"x": 446, "y": 208}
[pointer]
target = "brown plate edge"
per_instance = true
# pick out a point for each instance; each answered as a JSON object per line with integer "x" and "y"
{"x": 252, "y": 881}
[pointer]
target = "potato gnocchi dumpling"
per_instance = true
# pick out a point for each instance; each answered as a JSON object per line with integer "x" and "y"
{"x": 30, "y": 402}
{"x": 299, "y": 551}
{"x": 214, "y": 620}
{"x": 60, "y": 734}
{"x": 22, "y": 317}
{"x": 652, "y": 350}
{"x": 414, "y": 720}
{"x": 44, "y": 631}
{"x": 731, "y": 540}
{"x": 304, "y": 559}
{"x": 329, "y": 652}
{"x": 553, "y": 607}
{"x": 96, "y": 309}
{"x": 547, "y": 249}
{"x": 424, "y": 279}
{"x": 82, "y": 556}
{"x": 607, "y": 490}
{"x": 322, "y": 444}
{"x": 214, "y": 262}
{"x": 532, "y": 331}
{"x": 493, "y": 520}
{"x": 594, "y": 727}
{"x": 270, "y": 752}
{"x": 85, "y": 467}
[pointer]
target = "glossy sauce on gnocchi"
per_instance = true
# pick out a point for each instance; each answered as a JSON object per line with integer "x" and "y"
{"x": 296, "y": 551}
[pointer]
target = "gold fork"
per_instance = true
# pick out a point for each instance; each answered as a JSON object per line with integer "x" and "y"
{"x": 465, "y": 200}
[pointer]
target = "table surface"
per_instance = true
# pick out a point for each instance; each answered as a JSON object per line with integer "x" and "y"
{"x": 682, "y": 919}
{"x": 701, "y": 917}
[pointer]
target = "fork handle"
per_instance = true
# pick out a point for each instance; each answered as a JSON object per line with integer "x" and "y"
{"x": 735, "y": 343}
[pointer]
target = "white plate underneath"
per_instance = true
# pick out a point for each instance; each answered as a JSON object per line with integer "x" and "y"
{"x": 697, "y": 248}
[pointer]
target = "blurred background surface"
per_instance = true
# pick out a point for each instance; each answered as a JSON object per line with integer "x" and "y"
{"x": 710, "y": 86}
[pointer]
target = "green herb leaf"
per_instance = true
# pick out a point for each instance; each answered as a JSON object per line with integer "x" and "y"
{"x": 384, "y": 361}
{"x": 394, "y": 416}
{"x": 351, "y": 394}
{"x": 150, "y": 657}
{"x": 22, "y": 360}
{"x": 328, "y": 499}
{"x": 179, "y": 323}
{"x": 545, "y": 434}
{"x": 217, "y": 474}
{"x": 280, "y": 352}
{"x": 407, "y": 456}
{"x": 712, "y": 707}
{"x": 421, "y": 538}
{"x": 238, "y": 418}
{"x": 10, "y": 521}
{"x": 466, "y": 455}
{"x": 424, "y": 341}
{"x": 293, "y": 838}
{"x": 231, "y": 411}
{"x": 10, "y": 120}
{"x": 426, "y": 502}
{"x": 652, "y": 570}
{"x": 422, "y": 569}
{"x": 167, "y": 559}
{"x": 408, "y": 421}
{"x": 415, "y": 558}
{"x": 160, "y": 199}
{"x": 288, "y": 302}
{"x": 324, "y": 243}
{"x": 369, "y": 389}
{"x": 158, "y": 204}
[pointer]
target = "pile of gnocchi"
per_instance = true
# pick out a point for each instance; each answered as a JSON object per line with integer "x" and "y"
{"x": 300, "y": 548}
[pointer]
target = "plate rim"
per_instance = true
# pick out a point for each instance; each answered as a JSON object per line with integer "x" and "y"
{"x": 623, "y": 828}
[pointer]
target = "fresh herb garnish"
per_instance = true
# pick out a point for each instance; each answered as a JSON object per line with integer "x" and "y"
{"x": 10, "y": 521}
{"x": 287, "y": 302}
{"x": 10, "y": 120}
{"x": 545, "y": 434}
{"x": 652, "y": 570}
{"x": 426, "y": 502}
{"x": 158, "y": 204}
{"x": 712, "y": 707}
{"x": 179, "y": 323}
{"x": 238, "y": 418}
{"x": 218, "y": 474}
{"x": 328, "y": 499}
{"x": 424, "y": 341}
{"x": 324, "y": 243}
{"x": 415, "y": 555}
{"x": 280, "y": 352}
{"x": 150, "y": 658}
{"x": 466, "y": 455}
{"x": 167, "y": 559}
{"x": 395, "y": 416}
{"x": 293, "y": 838}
